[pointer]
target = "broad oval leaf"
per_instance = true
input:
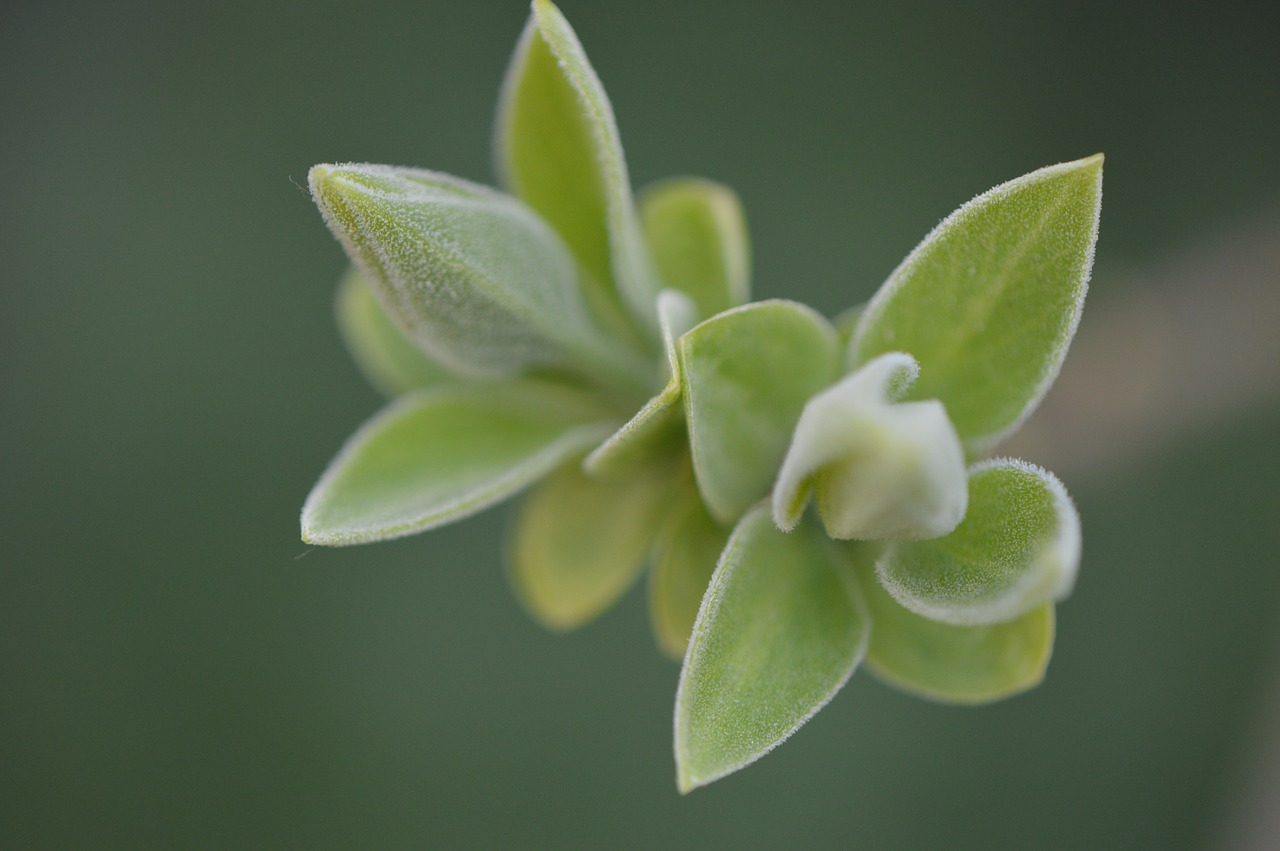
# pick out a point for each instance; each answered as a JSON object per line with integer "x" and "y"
{"x": 1017, "y": 548}
{"x": 953, "y": 664}
{"x": 473, "y": 276}
{"x": 779, "y": 632}
{"x": 748, "y": 373}
{"x": 698, "y": 235}
{"x": 990, "y": 300}
{"x": 579, "y": 543}
{"x": 439, "y": 455}
{"x": 558, "y": 149}
{"x": 684, "y": 558}
{"x": 388, "y": 360}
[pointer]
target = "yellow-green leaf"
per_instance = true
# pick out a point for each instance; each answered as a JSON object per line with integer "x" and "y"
{"x": 683, "y": 561}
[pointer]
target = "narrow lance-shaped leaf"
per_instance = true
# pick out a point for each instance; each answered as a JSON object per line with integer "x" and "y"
{"x": 558, "y": 149}
{"x": 684, "y": 558}
{"x": 472, "y": 276}
{"x": 953, "y": 664}
{"x": 579, "y": 543}
{"x": 1017, "y": 548}
{"x": 989, "y": 301}
{"x": 391, "y": 363}
{"x": 780, "y": 630}
{"x": 438, "y": 455}
{"x": 747, "y": 375}
{"x": 698, "y": 234}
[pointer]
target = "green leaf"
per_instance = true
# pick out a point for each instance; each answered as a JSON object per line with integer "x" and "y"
{"x": 558, "y": 149}
{"x": 780, "y": 630}
{"x": 1017, "y": 548}
{"x": 472, "y": 276}
{"x": 389, "y": 361}
{"x": 698, "y": 235}
{"x": 439, "y": 455}
{"x": 882, "y": 471}
{"x": 684, "y": 558}
{"x": 989, "y": 301}
{"x": 954, "y": 664}
{"x": 655, "y": 430}
{"x": 747, "y": 375}
{"x": 579, "y": 543}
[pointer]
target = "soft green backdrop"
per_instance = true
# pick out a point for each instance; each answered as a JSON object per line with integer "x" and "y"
{"x": 179, "y": 671}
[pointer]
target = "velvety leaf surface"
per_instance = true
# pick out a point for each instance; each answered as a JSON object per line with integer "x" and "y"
{"x": 989, "y": 301}
{"x": 1017, "y": 548}
{"x": 698, "y": 236}
{"x": 747, "y": 374}
{"x": 683, "y": 560}
{"x": 953, "y": 664}
{"x": 389, "y": 361}
{"x": 579, "y": 543}
{"x": 558, "y": 149}
{"x": 780, "y": 630}
{"x": 438, "y": 455}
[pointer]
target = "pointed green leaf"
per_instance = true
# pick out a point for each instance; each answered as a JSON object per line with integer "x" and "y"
{"x": 990, "y": 300}
{"x": 747, "y": 375}
{"x": 439, "y": 455}
{"x": 683, "y": 561}
{"x": 580, "y": 543}
{"x": 473, "y": 276}
{"x": 558, "y": 149}
{"x": 780, "y": 630}
{"x": 954, "y": 664}
{"x": 698, "y": 235}
{"x": 389, "y": 361}
{"x": 881, "y": 470}
{"x": 1017, "y": 548}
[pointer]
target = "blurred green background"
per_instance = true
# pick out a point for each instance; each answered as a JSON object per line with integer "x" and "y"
{"x": 179, "y": 671}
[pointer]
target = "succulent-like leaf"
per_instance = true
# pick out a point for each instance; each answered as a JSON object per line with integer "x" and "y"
{"x": 558, "y": 149}
{"x": 579, "y": 543}
{"x": 474, "y": 277}
{"x": 954, "y": 664}
{"x": 780, "y": 630}
{"x": 388, "y": 360}
{"x": 438, "y": 455}
{"x": 1017, "y": 548}
{"x": 747, "y": 375}
{"x": 989, "y": 301}
{"x": 684, "y": 558}
{"x": 698, "y": 235}
{"x": 882, "y": 471}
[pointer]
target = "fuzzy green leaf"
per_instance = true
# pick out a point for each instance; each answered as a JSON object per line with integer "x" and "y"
{"x": 780, "y": 630}
{"x": 698, "y": 235}
{"x": 684, "y": 558}
{"x": 579, "y": 543}
{"x": 989, "y": 301}
{"x": 953, "y": 664}
{"x": 747, "y": 375}
{"x": 439, "y": 455}
{"x": 1017, "y": 548}
{"x": 388, "y": 360}
{"x": 473, "y": 276}
{"x": 558, "y": 149}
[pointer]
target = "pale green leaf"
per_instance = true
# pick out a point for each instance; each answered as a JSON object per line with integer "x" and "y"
{"x": 698, "y": 235}
{"x": 473, "y": 276}
{"x": 1017, "y": 548}
{"x": 989, "y": 301}
{"x": 780, "y": 630}
{"x": 881, "y": 470}
{"x": 580, "y": 543}
{"x": 954, "y": 664}
{"x": 438, "y": 455}
{"x": 390, "y": 362}
{"x": 747, "y": 375}
{"x": 683, "y": 561}
{"x": 558, "y": 149}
